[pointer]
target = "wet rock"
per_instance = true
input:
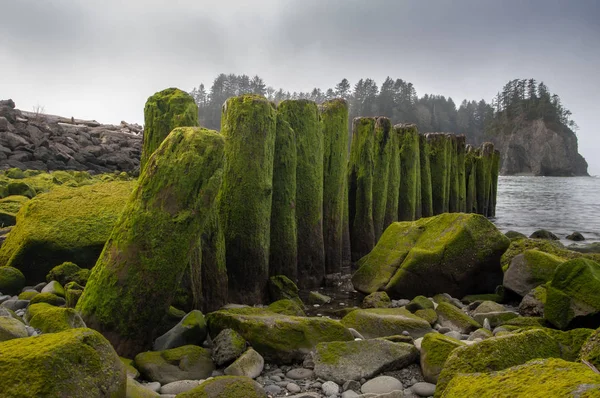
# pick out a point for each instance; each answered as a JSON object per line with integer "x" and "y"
{"x": 191, "y": 330}
{"x": 576, "y": 237}
{"x": 382, "y": 385}
{"x": 249, "y": 364}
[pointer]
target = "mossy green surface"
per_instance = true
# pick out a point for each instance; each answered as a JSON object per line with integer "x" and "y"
{"x": 454, "y": 253}
{"x": 360, "y": 187}
{"x": 51, "y": 319}
{"x": 12, "y": 280}
{"x": 72, "y": 295}
{"x": 410, "y": 182}
{"x": 439, "y": 164}
{"x": 9, "y": 207}
{"x": 530, "y": 269}
{"x": 461, "y": 173}
{"x": 419, "y": 303}
{"x": 382, "y": 322}
{"x": 277, "y": 337}
{"x": 226, "y": 386}
{"x": 334, "y": 127}
{"x": 454, "y": 189}
{"x": 78, "y": 363}
{"x": 303, "y": 117}
{"x": 65, "y": 224}
{"x": 425, "y": 172}
{"x": 435, "y": 349}
{"x": 283, "y": 257}
{"x": 68, "y": 272}
{"x": 48, "y": 298}
{"x": 188, "y": 362}
{"x": 282, "y": 287}
{"x": 140, "y": 268}
{"x": 287, "y": 307}
{"x": 471, "y": 180}
{"x": 573, "y": 292}
{"x": 495, "y": 171}
{"x": 28, "y": 294}
{"x": 248, "y": 123}
{"x": 497, "y": 353}
{"x": 11, "y": 328}
{"x": 214, "y": 289}
{"x": 393, "y": 181}
{"x": 428, "y": 314}
{"x": 377, "y": 300}
{"x": 381, "y": 166}
{"x": 484, "y": 178}
{"x": 455, "y": 318}
{"x": 590, "y": 350}
{"x": 136, "y": 390}
{"x": 540, "y": 378}
{"x": 471, "y": 298}
{"x": 164, "y": 111}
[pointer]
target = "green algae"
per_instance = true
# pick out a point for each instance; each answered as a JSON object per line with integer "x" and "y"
{"x": 410, "y": 181}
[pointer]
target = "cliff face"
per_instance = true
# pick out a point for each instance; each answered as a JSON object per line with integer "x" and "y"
{"x": 541, "y": 149}
{"x": 48, "y": 142}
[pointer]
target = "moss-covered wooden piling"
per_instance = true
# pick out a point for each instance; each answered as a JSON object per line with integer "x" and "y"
{"x": 426, "y": 194}
{"x": 484, "y": 177}
{"x": 494, "y": 183}
{"x": 471, "y": 179}
{"x": 462, "y": 181}
{"x": 393, "y": 184}
{"x": 334, "y": 125}
{"x": 137, "y": 275}
{"x": 409, "y": 176}
{"x": 438, "y": 161}
{"x": 381, "y": 166}
{"x": 284, "y": 250}
{"x": 360, "y": 187}
{"x": 248, "y": 123}
{"x": 303, "y": 117}
{"x": 163, "y": 112}
{"x": 453, "y": 198}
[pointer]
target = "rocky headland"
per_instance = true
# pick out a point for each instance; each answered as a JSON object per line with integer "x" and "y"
{"x": 231, "y": 268}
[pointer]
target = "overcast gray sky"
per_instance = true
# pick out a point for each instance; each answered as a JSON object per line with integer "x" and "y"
{"x": 101, "y": 60}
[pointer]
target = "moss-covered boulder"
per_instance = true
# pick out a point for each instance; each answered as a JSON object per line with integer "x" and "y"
{"x": 381, "y": 322}
{"x": 277, "y": 337}
{"x": 77, "y": 363}
{"x": 137, "y": 390}
{"x": 28, "y": 294}
{"x": 529, "y": 270}
{"x": 9, "y": 207}
{"x": 303, "y": 118}
{"x": 538, "y": 378}
{"x": 419, "y": 303}
{"x": 281, "y": 287}
{"x": 137, "y": 275}
{"x": 287, "y": 307}
{"x": 452, "y": 253}
{"x": 377, "y": 300}
{"x": 48, "y": 298}
{"x": 54, "y": 287}
{"x": 188, "y": 362}
{"x": 455, "y": 319}
{"x": 340, "y": 361}
{"x": 51, "y": 319}
{"x": 573, "y": 295}
{"x": 249, "y": 364}
{"x": 435, "y": 349}
{"x": 334, "y": 127}
{"x": 428, "y": 314}
{"x": 227, "y": 346}
{"x": 590, "y": 350}
{"x": 164, "y": 111}
{"x": 65, "y": 224}
{"x": 73, "y": 292}
{"x": 498, "y": 353}
{"x": 10, "y": 328}
{"x": 68, "y": 272}
{"x": 543, "y": 234}
{"x": 226, "y": 386}
{"x": 533, "y": 302}
{"x": 248, "y": 123}
{"x": 191, "y": 330}
{"x": 11, "y": 280}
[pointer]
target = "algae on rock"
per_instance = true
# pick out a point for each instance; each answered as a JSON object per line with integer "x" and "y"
{"x": 136, "y": 277}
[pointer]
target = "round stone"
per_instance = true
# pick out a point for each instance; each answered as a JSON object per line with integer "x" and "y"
{"x": 330, "y": 388}
{"x": 299, "y": 374}
{"x": 272, "y": 389}
{"x": 381, "y": 385}
{"x": 423, "y": 389}
{"x": 293, "y": 388}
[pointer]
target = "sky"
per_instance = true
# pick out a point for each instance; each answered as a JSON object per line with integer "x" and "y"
{"x": 102, "y": 60}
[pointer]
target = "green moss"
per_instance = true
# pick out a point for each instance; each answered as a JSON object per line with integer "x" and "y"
{"x": 425, "y": 172}
{"x": 28, "y": 294}
{"x": 376, "y": 300}
{"x": 439, "y": 164}
{"x": 68, "y": 272}
{"x": 164, "y": 111}
{"x": 51, "y": 319}
{"x": 334, "y": 127}
{"x": 78, "y": 363}
{"x": 181, "y": 363}
{"x": 449, "y": 315}
{"x": 539, "y": 378}
{"x": 453, "y": 191}
{"x": 471, "y": 298}
{"x": 11, "y": 328}
{"x": 20, "y": 188}
{"x": 283, "y": 255}
{"x": 282, "y": 287}
{"x": 573, "y": 292}
{"x": 393, "y": 181}
{"x": 484, "y": 166}
{"x": 428, "y": 314}
{"x": 15, "y": 173}
{"x": 11, "y": 280}
{"x": 360, "y": 188}
{"x": 48, "y": 298}
{"x": 303, "y": 117}
{"x": 66, "y": 224}
{"x": 214, "y": 287}
{"x": 277, "y": 337}
{"x": 72, "y": 294}
{"x": 419, "y": 303}
{"x": 248, "y": 123}
{"x": 461, "y": 174}
{"x": 471, "y": 179}
{"x": 495, "y": 171}
{"x": 9, "y": 207}
{"x": 590, "y": 350}
{"x": 226, "y": 386}
{"x": 140, "y": 268}
{"x": 381, "y": 322}
{"x": 435, "y": 349}
{"x": 381, "y": 166}
{"x": 410, "y": 182}
{"x": 287, "y": 307}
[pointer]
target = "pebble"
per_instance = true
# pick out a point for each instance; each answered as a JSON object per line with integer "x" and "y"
{"x": 381, "y": 385}
{"x": 40, "y": 286}
{"x": 180, "y": 386}
{"x": 351, "y": 385}
{"x": 454, "y": 335}
{"x": 350, "y": 394}
{"x": 15, "y": 305}
{"x": 299, "y": 374}
{"x": 275, "y": 378}
{"x": 424, "y": 389}
{"x": 405, "y": 333}
{"x": 418, "y": 342}
{"x": 154, "y": 386}
{"x": 293, "y": 388}
{"x": 444, "y": 330}
{"x": 272, "y": 389}
{"x": 4, "y": 298}
{"x": 316, "y": 384}
{"x": 330, "y": 388}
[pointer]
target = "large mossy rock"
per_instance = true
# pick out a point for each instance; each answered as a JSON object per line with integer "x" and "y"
{"x": 279, "y": 338}
{"x": 77, "y": 363}
{"x": 11, "y": 328}
{"x": 163, "y": 112}
{"x": 590, "y": 350}
{"x": 382, "y": 322}
{"x": 503, "y": 352}
{"x": 50, "y": 319}
{"x": 340, "y": 361}
{"x": 68, "y": 272}
{"x": 226, "y": 386}
{"x": 454, "y": 318}
{"x": 529, "y": 270}
{"x": 451, "y": 253}
{"x": 65, "y": 224}
{"x": 548, "y": 378}
{"x": 12, "y": 280}
{"x": 190, "y": 330}
{"x": 138, "y": 273}
{"x": 435, "y": 349}
{"x": 573, "y": 295}
{"x": 188, "y": 362}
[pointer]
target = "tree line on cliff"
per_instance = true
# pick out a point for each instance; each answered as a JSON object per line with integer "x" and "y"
{"x": 518, "y": 101}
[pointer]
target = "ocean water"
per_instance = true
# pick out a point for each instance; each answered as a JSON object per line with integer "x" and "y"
{"x": 559, "y": 204}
